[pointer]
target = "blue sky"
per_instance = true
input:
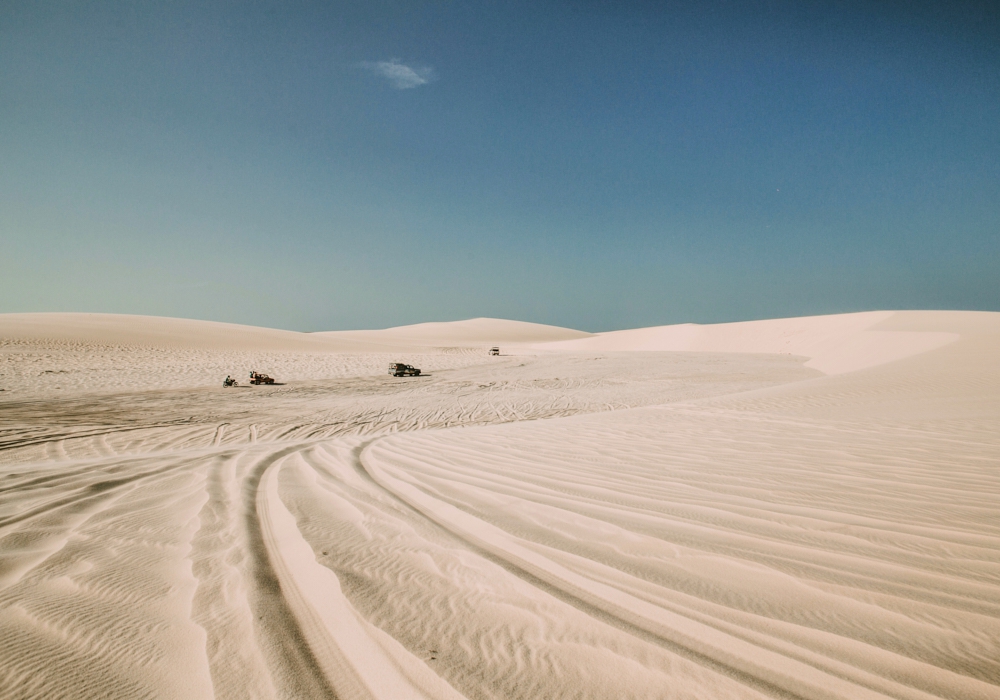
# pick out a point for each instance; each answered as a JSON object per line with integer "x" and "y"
{"x": 600, "y": 165}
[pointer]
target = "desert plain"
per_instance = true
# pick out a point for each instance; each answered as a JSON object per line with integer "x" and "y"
{"x": 792, "y": 508}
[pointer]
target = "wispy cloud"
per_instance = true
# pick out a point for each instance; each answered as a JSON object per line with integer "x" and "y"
{"x": 400, "y": 75}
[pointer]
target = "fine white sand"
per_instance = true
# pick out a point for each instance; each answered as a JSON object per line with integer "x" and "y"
{"x": 471, "y": 333}
{"x": 796, "y": 508}
{"x": 833, "y": 344}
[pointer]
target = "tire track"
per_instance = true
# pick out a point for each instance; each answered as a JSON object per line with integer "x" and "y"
{"x": 772, "y": 673}
{"x": 198, "y": 433}
{"x": 356, "y": 660}
{"x": 292, "y": 661}
{"x": 579, "y": 599}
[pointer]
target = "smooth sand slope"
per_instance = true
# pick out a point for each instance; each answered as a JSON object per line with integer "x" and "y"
{"x": 474, "y": 332}
{"x": 117, "y": 330}
{"x": 799, "y": 508}
{"x": 833, "y": 344}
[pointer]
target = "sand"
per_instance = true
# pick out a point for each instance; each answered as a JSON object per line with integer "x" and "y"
{"x": 796, "y": 508}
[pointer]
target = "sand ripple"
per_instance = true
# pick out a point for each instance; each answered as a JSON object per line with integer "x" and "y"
{"x": 616, "y": 525}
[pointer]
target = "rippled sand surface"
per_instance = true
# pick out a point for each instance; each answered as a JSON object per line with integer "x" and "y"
{"x": 562, "y": 522}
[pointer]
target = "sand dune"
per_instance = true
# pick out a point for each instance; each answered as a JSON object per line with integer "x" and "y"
{"x": 793, "y": 508}
{"x": 161, "y": 332}
{"x": 473, "y": 332}
{"x": 833, "y": 344}
{"x": 46, "y": 354}
{"x": 117, "y": 330}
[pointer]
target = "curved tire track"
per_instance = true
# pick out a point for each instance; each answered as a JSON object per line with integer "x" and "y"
{"x": 765, "y": 670}
{"x": 343, "y": 651}
{"x": 293, "y": 663}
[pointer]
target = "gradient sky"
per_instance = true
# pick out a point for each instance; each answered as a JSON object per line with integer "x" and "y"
{"x": 600, "y": 165}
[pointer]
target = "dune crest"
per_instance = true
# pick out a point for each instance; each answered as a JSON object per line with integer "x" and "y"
{"x": 475, "y": 331}
{"x": 163, "y": 332}
{"x": 834, "y": 344}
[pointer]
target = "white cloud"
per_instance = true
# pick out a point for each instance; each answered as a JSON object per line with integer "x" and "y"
{"x": 400, "y": 75}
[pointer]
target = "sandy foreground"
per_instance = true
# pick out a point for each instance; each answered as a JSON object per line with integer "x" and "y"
{"x": 797, "y": 508}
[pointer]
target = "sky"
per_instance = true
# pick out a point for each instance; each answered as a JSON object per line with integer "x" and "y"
{"x": 597, "y": 165}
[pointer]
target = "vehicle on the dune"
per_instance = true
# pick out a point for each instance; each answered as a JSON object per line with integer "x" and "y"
{"x": 398, "y": 369}
{"x": 260, "y": 378}
{"x": 494, "y": 350}
{"x": 228, "y": 382}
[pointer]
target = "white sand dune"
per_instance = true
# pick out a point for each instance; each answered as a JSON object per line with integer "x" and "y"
{"x": 118, "y": 330}
{"x": 56, "y": 353}
{"x": 799, "y": 508}
{"x": 833, "y": 344}
{"x": 473, "y": 332}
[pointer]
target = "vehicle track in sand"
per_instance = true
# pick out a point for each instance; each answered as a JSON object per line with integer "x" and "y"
{"x": 556, "y": 586}
{"x": 214, "y": 458}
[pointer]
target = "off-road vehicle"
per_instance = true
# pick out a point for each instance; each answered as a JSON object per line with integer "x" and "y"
{"x": 398, "y": 369}
{"x": 259, "y": 378}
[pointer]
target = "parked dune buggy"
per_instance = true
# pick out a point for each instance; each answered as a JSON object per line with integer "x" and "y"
{"x": 398, "y": 369}
{"x": 259, "y": 378}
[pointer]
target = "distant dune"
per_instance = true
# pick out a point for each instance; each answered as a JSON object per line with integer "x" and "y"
{"x": 476, "y": 331}
{"x": 833, "y": 344}
{"x": 157, "y": 331}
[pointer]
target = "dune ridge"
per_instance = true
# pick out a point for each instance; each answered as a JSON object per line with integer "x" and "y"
{"x": 834, "y": 344}
{"x": 163, "y": 332}
{"x": 112, "y": 330}
{"x": 472, "y": 332}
